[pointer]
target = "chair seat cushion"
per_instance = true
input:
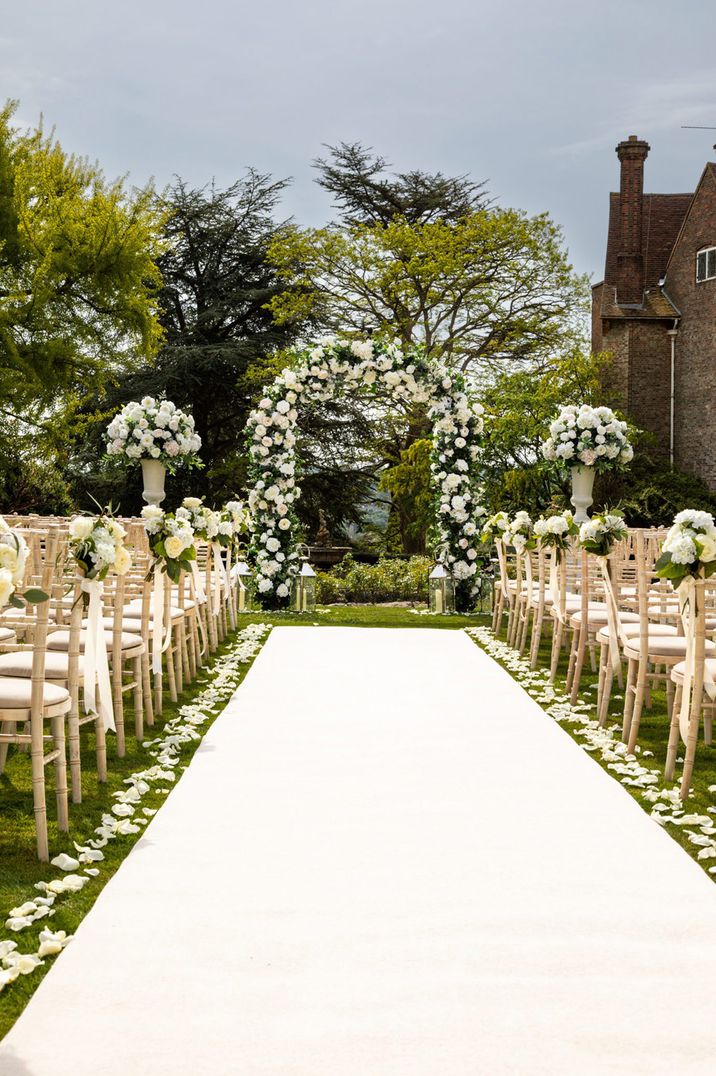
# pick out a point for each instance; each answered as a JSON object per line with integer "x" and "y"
{"x": 16, "y": 692}
{"x": 601, "y": 616}
{"x": 56, "y": 664}
{"x": 667, "y": 646}
{"x": 631, "y": 630}
{"x": 60, "y": 640}
{"x": 133, "y": 611}
{"x": 7, "y": 635}
{"x": 129, "y": 625}
{"x": 677, "y": 673}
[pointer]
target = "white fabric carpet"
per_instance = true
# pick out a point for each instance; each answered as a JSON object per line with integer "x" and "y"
{"x": 385, "y": 860}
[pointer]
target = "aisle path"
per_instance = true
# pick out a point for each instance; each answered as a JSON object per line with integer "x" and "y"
{"x": 385, "y": 860}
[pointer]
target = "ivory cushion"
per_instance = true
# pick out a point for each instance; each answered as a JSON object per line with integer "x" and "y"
{"x": 633, "y": 629}
{"x": 601, "y": 616}
{"x": 133, "y": 611}
{"x": 56, "y": 664}
{"x": 7, "y": 635}
{"x": 667, "y": 646}
{"x": 60, "y": 640}
{"x": 677, "y": 673}
{"x": 16, "y": 692}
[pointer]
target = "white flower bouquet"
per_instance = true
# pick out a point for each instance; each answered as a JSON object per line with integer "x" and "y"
{"x": 154, "y": 430}
{"x": 234, "y": 522}
{"x": 584, "y": 436}
{"x": 689, "y": 548}
{"x": 203, "y": 521}
{"x": 97, "y": 544}
{"x": 554, "y": 532}
{"x": 494, "y": 527}
{"x": 602, "y": 532}
{"x": 13, "y": 561}
{"x": 519, "y": 533}
{"x": 171, "y": 540}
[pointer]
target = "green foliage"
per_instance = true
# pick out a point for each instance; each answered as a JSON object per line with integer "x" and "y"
{"x": 410, "y": 485}
{"x": 387, "y": 580}
{"x": 492, "y": 285}
{"x": 650, "y": 494}
{"x": 519, "y": 405}
{"x": 220, "y": 341}
{"x": 78, "y": 277}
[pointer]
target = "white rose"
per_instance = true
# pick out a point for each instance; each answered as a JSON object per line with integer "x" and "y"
{"x": 81, "y": 527}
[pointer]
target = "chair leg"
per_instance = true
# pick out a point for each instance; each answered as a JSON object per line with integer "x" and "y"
{"x": 138, "y": 699}
{"x": 37, "y": 762}
{"x": 171, "y": 675}
{"x": 578, "y": 665}
{"x": 178, "y": 660}
{"x": 638, "y": 705}
{"x": 557, "y": 633}
{"x": 673, "y": 746}
{"x": 603, "y": 710}
{"x": 572, "y": 656}
{"x": 537, "y": 623}
{"x": 7, "y": 728}
{"x": 101, "y": 749}
{"x": 73, "y": 748}
{"x": 147, "y": 690}
{"x": 629, "y": 698}
{"x": 58, "y": 740}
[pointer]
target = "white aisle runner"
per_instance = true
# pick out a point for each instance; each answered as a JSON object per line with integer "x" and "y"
{"x": 385, "y": 860}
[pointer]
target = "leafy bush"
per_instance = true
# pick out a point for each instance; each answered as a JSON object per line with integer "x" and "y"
{"x": 387, "y": 580}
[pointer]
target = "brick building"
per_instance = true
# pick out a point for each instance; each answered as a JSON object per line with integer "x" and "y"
{"x": 655, "y": 311}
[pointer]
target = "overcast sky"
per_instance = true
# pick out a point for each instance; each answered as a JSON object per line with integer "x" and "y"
{"x": 531, "y": 95}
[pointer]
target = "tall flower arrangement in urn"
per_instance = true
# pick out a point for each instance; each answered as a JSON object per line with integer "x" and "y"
{"x": 158, "y": 435}
{"x": 587, "y": 440}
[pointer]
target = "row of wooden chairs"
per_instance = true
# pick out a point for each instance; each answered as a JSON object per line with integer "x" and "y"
{"x": 43, "y": 654}
{"x": 618, "y": 614}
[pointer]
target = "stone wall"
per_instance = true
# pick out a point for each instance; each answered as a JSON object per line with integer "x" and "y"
{"x": 695, "y": 404}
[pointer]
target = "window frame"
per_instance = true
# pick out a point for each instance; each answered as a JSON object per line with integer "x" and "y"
{"x": 710, "y": 253}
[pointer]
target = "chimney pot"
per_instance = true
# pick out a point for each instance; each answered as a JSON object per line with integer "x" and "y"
{"x": 630, "y": 259}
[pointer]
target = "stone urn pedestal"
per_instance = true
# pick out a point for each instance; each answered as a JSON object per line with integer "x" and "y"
{"x": 582, "y": 487}
{"x": 154, "y": 474}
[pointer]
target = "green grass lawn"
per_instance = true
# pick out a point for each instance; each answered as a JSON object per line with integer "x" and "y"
{"x": 652, "y": 744}
{"x": 19, "y": 868}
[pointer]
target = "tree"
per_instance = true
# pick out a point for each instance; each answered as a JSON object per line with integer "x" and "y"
{"x": 78, "y": 277}
{"x": 409, "y": 483}
{"x": 491, "y": 287}
{"x": 366, "y": 194}
{"x": 220, "y": 341}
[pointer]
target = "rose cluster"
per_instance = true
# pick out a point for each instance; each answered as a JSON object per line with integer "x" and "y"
{"x": 601, "y": 533}
{"x": 13, "y": 559}
{"x": 171, "y": 540}
{"x": 554, "y": 532}
{"x": 317, "y": 375}
{"x": 520, "y": 532}
{"x": 153, "y": 430}
{"x": 97, "y": 544}
{"x": 204, "y": 522}
{"x": 588, "y": 436}
{"x": 689, "y": 548}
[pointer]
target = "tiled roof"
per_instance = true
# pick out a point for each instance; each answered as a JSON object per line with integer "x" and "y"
{"x": 663, "y": 217}
{"x": 657, "y": 304}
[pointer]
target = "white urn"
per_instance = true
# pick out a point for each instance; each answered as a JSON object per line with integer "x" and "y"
{"x": 154, "y": 474}
{"x": 582, "y": 487}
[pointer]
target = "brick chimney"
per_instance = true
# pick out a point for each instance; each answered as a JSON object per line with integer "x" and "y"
{"x": 630, "y": 260}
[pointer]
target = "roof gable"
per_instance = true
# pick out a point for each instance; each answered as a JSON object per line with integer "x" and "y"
{"x": 663, "y": 217}
{"x": 708, "y": 175}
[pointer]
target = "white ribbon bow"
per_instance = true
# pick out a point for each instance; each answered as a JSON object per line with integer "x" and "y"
{"x": 97, "y": 688}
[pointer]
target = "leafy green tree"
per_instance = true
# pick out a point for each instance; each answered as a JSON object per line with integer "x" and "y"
{"x": 491, "y": 287}
{"x": 410, "y": 486}
{"x": 78, "y": 275}
{"x": 366, "y": 192}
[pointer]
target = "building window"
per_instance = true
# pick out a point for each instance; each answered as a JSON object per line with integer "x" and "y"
{"x": 706, "y": 264}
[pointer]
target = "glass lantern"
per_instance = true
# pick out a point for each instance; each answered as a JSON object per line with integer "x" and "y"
{"x": 244, "y": 579}
{"x": 303, "y": 594}
{"x": 441, "y": 590}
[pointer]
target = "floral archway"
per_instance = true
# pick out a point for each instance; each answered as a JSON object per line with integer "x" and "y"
{"x": 329, "y": 369}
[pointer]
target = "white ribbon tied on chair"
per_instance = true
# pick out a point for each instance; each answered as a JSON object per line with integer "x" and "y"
{"x": 157, "y": 619}
{"x": 199, "y": 592}
{"x": 616, "y": 636}
{"x": 97, "y": 688}
{"x": 559, "y": 595}
{"x": 687, "y": 605}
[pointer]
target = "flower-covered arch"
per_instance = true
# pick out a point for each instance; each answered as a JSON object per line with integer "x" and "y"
{"x": 327, "y": 370}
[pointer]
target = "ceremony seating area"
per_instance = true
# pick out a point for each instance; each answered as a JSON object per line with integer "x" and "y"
{"x": 53, "y": 681}
{"x": 615, "y": 618}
